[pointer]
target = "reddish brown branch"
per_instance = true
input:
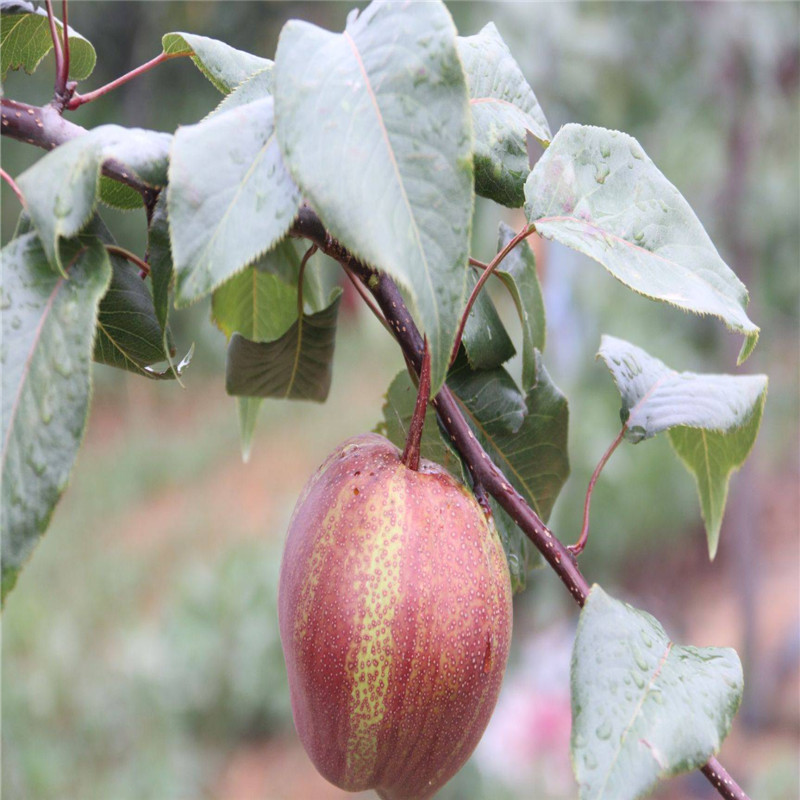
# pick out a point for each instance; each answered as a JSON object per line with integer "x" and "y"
{"x": 721, "y": 780}
{"x": 43, "y": 126}
{"x": 484, "y": 471}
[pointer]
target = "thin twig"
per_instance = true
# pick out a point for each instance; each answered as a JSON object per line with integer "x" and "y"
{"x": 144, "y": 267}
{"x": 490, "y": 268}
{"x": 63, "y": 75}
{"x": 43, "y": 126}
{"x": 473, "y": 262}
{"x": 78, "y": 100}
{"x": 59, "y": 87}
{"x": 13, "y": 184}
{"x": 577, "y": 548}
{"x": 367, "y": 298}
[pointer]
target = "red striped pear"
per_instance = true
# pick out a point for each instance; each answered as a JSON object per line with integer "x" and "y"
{"x": 395, "y": 618}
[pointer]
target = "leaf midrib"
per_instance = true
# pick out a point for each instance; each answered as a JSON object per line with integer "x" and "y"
{"x": 374, "y": 101}
{"x": 636, "y": 711}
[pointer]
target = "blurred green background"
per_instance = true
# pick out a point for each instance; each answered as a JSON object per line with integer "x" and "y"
{"x": 140, "y": 653}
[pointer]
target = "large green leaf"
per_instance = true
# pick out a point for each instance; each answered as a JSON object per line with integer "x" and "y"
{"x": 713, "y": 420}
{"x": 295, "y": 366}
{"x": 643, "y": 708}
{"x": 61, "y": 188}
{"x": 597, "y": 192}
{"x": 525, "y": 435}
{"x": 222, "y": 219}
{"x": 518, "y": 273}
{"x": 504, "y": 110}
{"x": 25, "y": 40}
{"x": 48, "y": 325}
{"x": 128, "y": 334}
{"x": 225, "y": 66}
{"x": 374, "y": 126}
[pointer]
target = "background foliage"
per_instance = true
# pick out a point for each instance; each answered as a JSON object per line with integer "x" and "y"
{"x": 134, "y": 664}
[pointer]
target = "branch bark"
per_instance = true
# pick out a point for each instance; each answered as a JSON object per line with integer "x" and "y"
{"x": 43, "y": 126}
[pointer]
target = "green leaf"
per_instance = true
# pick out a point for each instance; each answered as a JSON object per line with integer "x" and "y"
{"x": 643, "y": 708}
{"x": 374, "y": 126}
{"x": 61, "y": 188}
{"x": 48, "y": 325}
{"x": 119, "y": 195}
{"x": 296, "y": 366}
{"x": 222, "y": 219}
{"x": 526, "y": 437}
{"x": 128, "y": 333}
{"x": 159, "y": 257}
{"x": 713, "y": 420}
{"x": 518, "y": 273}
{"x": 597, "y": 192}
{"x": 485, "y": 339}
{"x": 504, "y": 109}
{"x": 259, "y": 304}
{"x": 257, "y": 87}
{"x": 225, "y": 66}
{"x": 255, "y": 303}
{"x": 712, "y": 456}
{"x": 398, "y": 408}
{"x": 25, "y": 40}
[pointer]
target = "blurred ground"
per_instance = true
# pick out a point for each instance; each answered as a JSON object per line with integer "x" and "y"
{"x": 140, "y": 652}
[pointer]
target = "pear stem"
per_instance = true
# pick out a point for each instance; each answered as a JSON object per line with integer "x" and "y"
{"x": 410, "y": 455}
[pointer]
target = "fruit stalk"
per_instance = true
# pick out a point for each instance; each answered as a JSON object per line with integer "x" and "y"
{"x": 410, "y": 455}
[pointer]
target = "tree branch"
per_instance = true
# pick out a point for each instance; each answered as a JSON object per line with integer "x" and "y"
{"x": 484, "y": 471}
{"x": 43, "y": 126}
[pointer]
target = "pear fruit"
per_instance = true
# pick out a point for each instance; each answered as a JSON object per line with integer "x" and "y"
{"x": 395, "y": 613}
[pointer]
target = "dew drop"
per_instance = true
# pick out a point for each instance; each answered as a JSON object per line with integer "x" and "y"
{"x": 602, "y": 172}
{"x": 604, "y": 730}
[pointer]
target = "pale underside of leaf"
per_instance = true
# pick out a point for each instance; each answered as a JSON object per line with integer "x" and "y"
{"x": 644, "y": 708}
{"x": 48, "y": 327}
{"x": 221, "y": 220}
{"x": 597, "y": 192}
